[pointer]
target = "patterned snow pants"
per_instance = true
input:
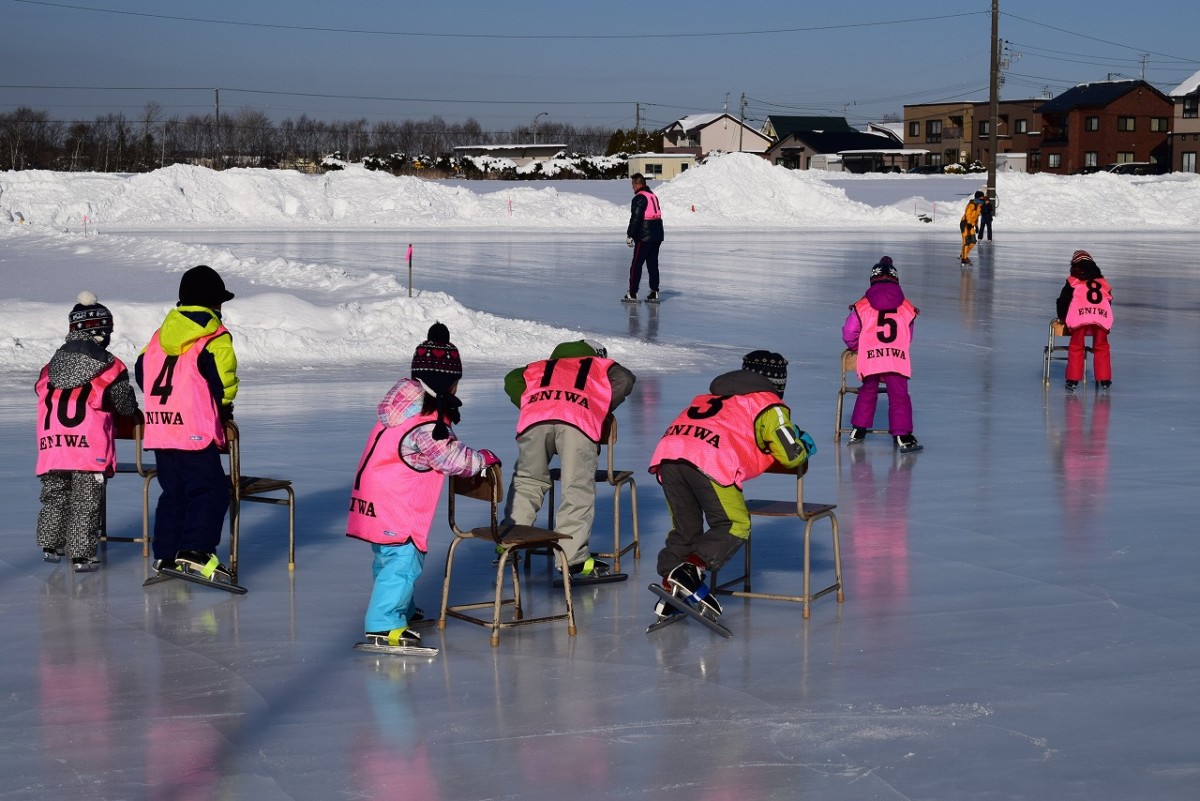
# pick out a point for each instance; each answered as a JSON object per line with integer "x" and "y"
{"x": 70, "y": 517}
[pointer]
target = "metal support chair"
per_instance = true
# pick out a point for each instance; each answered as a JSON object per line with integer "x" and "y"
{"x": 509, "y": 541}
{"x": 810, "y": 513}
{"x": 850, "y": 367}
{"x": 1058, "y": 330}
{"x": 616, "y": 479}
{"x": 254, "y": 489}
{"x": 131, "y": 428}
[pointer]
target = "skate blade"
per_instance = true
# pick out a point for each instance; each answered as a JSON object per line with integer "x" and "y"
{"x": 396, "y": 650}
{"x": 89, "y": 567}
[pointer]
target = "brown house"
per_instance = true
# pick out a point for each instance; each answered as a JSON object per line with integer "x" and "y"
{"x": 1108, "y": 122}
{"x": 960, "y": 132}
{"x": 1185, "y": 128}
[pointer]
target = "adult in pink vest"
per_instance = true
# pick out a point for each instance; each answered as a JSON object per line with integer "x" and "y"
{"x": 79, "y": 391}
{"x": 188, "y": 376}
{"x": 564, "y": 401}
{"x": 1085, "y": 307}
{"x": 724, "y": 437}
{"x": 880, "y": 328}
{"x": 408, "y": 455}
{"x": 645, "y": 235}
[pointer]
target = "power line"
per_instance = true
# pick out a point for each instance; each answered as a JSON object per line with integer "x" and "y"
{"x": 541, "y": 36}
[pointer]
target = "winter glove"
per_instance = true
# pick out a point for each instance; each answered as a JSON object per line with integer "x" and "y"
{"x": 489, "y": 459}
{"x": 809, "y": 445}
{"x": 629, "y": 241}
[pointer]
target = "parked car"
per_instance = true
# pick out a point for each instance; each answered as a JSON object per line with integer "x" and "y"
{"x": 928, "y": 169}
{"x": 1132, "y": 168}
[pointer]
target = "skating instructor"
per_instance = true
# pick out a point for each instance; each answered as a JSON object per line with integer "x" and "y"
{"x": 645, "y": 236}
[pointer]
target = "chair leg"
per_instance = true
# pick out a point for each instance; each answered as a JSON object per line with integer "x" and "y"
{"x": 807, "y": 566}
{"x": 637, "y": 536}
{"x": 146, "y": 516}
{"x": 837, "y": 560}
{"x": 561, "y": 557}
{"x": 837, "y": 428}
{"x": 446, "y": 583}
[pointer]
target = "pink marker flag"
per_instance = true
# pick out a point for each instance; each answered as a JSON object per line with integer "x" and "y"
{"x": 408, "y": 255}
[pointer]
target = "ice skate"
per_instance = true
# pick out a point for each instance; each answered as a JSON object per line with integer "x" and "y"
{"x": 401, "y": 642}
{"x": 201, "y": 568}
{"x": 85, "y": 564}
{"x": 907, "y": 443}
{"x": 858, "y": 435}
{"x": 592, "y": 571}
{"x": 52, "y": 555}
{"x": 687, "y": 583}
{"x": 702, "y": 614}
{"x": 629, "y": 297}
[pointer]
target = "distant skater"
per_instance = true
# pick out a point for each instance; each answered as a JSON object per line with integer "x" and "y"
{"x": 879, "y": 329}
{"x": 645, "y": 235}
{"x": 79, "y": 392}
{"x": 1085, "y": 308}
{"x": 968, "y": 227}
{"x": 986, "y": 212}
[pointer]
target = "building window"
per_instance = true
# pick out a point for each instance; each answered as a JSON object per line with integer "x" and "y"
{"x": 1187, "y": 161}
{"x": 1091, "y": 159}
{"x": 985, "y": 127}
{"x": 683, "y": 167}
{"x": 914, "y": 129}
{"x": 1022, "y": 126}
{"x": 1091, "y": 124}
{"x": 652, "y": 169}
{"x": 1126, "y": 123}
{"x": 1124, "y": 156}
{"x": 1158, "y": 124}
{"x": 1191, "y": 107}
{"x": 1053, "y": 161}
{"x": 933, "y": 131}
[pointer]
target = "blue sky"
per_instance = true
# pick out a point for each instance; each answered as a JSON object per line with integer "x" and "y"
{"x": 584, "y": 63}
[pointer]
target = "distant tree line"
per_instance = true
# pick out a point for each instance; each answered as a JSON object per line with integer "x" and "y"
{"x": 31, "y": 139}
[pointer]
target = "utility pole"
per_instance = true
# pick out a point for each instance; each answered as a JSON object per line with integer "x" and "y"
{"x": 217, "y": 133}
{"x": 741, "y": 120}
{"x": 637, "y": 125}
{"x": 994, "y": 102}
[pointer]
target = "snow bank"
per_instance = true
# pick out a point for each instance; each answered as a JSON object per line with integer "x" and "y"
{"x": 737, "y": 190}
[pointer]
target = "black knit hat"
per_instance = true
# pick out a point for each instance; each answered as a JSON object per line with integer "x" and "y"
{"x": 1083, "y": 266}
{"x": 885, "y": 271}
{"x": 88, "y": 318}
{"x": 769, "y": 364}
{"x": 436, "y": 364}
{"x": 201, "y": 286}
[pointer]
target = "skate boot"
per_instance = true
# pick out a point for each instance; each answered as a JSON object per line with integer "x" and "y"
{"x": 907, "y": 443}
{"x": 630, "y": 297}
{"x": 85, "y": 564}
{"x": 396, "y": 638}
{"x": 205, "y": 565}
{"x": 687, "y": 582}
{"x": 1071, "y": 386}
{"x": 591, "y": 568}
{"x": 52, "y": 555}
{"x": 662, "y": 609}
{"x": 858, "y": 435}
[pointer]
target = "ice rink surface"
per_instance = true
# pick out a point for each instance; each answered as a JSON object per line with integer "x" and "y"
{"x": 1022, "y": 597}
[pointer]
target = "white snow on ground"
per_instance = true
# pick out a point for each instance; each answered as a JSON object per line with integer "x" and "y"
{"x": 308, "y": 314}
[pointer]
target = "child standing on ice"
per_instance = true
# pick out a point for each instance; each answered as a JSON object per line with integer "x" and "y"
{"x": 79, "y": 391}
{"x": 188, "y": 376}
{"x": 1085, "y": 308}
{"x": 879, "y": 329}
{"x": 968, "y": 226}
{"x": 733, "y": 433}
{"x": 408, "y": 455}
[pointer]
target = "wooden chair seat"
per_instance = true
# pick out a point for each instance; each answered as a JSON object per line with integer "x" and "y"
{"x": 131, "y": 428}
{"x": 809, "y": 513}
{"x": 510, "y": 541}
{"x": 254, "y": 489}
{"x": 1057, "y": 331}
{"x": 850, "y": 368}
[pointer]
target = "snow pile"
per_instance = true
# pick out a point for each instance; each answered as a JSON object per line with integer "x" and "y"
{"x": 302, "y": 316}
{"x": 736, "y": 190}
{"x": 743, "y": 189}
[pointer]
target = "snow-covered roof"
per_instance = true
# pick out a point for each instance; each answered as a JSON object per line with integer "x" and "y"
{"x": 1187, "y": 87}
{"x": 694, "y": 121}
